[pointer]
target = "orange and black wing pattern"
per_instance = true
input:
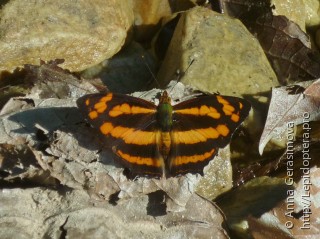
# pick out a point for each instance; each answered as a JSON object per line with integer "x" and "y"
{"x": 200, "y": 127}
{"x": 165, "y": 140}
{"x": 129, "y": 124}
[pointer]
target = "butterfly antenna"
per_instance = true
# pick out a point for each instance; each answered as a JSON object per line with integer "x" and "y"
{"x": 153, "y": 76}
{"x": 179, "y": 77}
{"x": 183, "y": 73}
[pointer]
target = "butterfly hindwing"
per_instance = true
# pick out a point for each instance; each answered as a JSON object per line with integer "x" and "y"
{"x": 129, "y": 124}
{"x": 200, "y": 127}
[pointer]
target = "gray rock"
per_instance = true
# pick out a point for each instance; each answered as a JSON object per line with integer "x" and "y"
{"x": 224, "y": 56}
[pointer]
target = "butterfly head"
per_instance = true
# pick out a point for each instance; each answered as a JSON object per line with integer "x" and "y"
{"x": 165, "y": 99}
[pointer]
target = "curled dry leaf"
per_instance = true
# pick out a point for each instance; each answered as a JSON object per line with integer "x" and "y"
{"x": 286, "y": 108}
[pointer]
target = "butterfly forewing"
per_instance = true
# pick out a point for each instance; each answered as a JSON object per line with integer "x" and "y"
{"x": 130, "y": 125}
{"x": 200, "y": 127}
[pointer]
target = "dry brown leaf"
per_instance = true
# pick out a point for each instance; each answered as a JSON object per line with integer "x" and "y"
{"x": 287, "y": 48}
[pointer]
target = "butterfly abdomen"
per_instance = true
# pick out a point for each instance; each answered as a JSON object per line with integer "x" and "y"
{"x": 165, "y": 144}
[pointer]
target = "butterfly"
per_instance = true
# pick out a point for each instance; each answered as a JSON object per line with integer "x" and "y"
{"x": 164, "y": 140}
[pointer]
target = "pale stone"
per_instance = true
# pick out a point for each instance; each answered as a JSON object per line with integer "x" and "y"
{"x": 312, "y": 12}
{"x": 225, "y": 57}
{"x": 306, "y": 13}
{"x": 218, "y": 176}
{"x": 151, "y": 14}
{"x": 81, "y": 32}
{"x": 294, "y": 10}
{"x": 148, "y": 15}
